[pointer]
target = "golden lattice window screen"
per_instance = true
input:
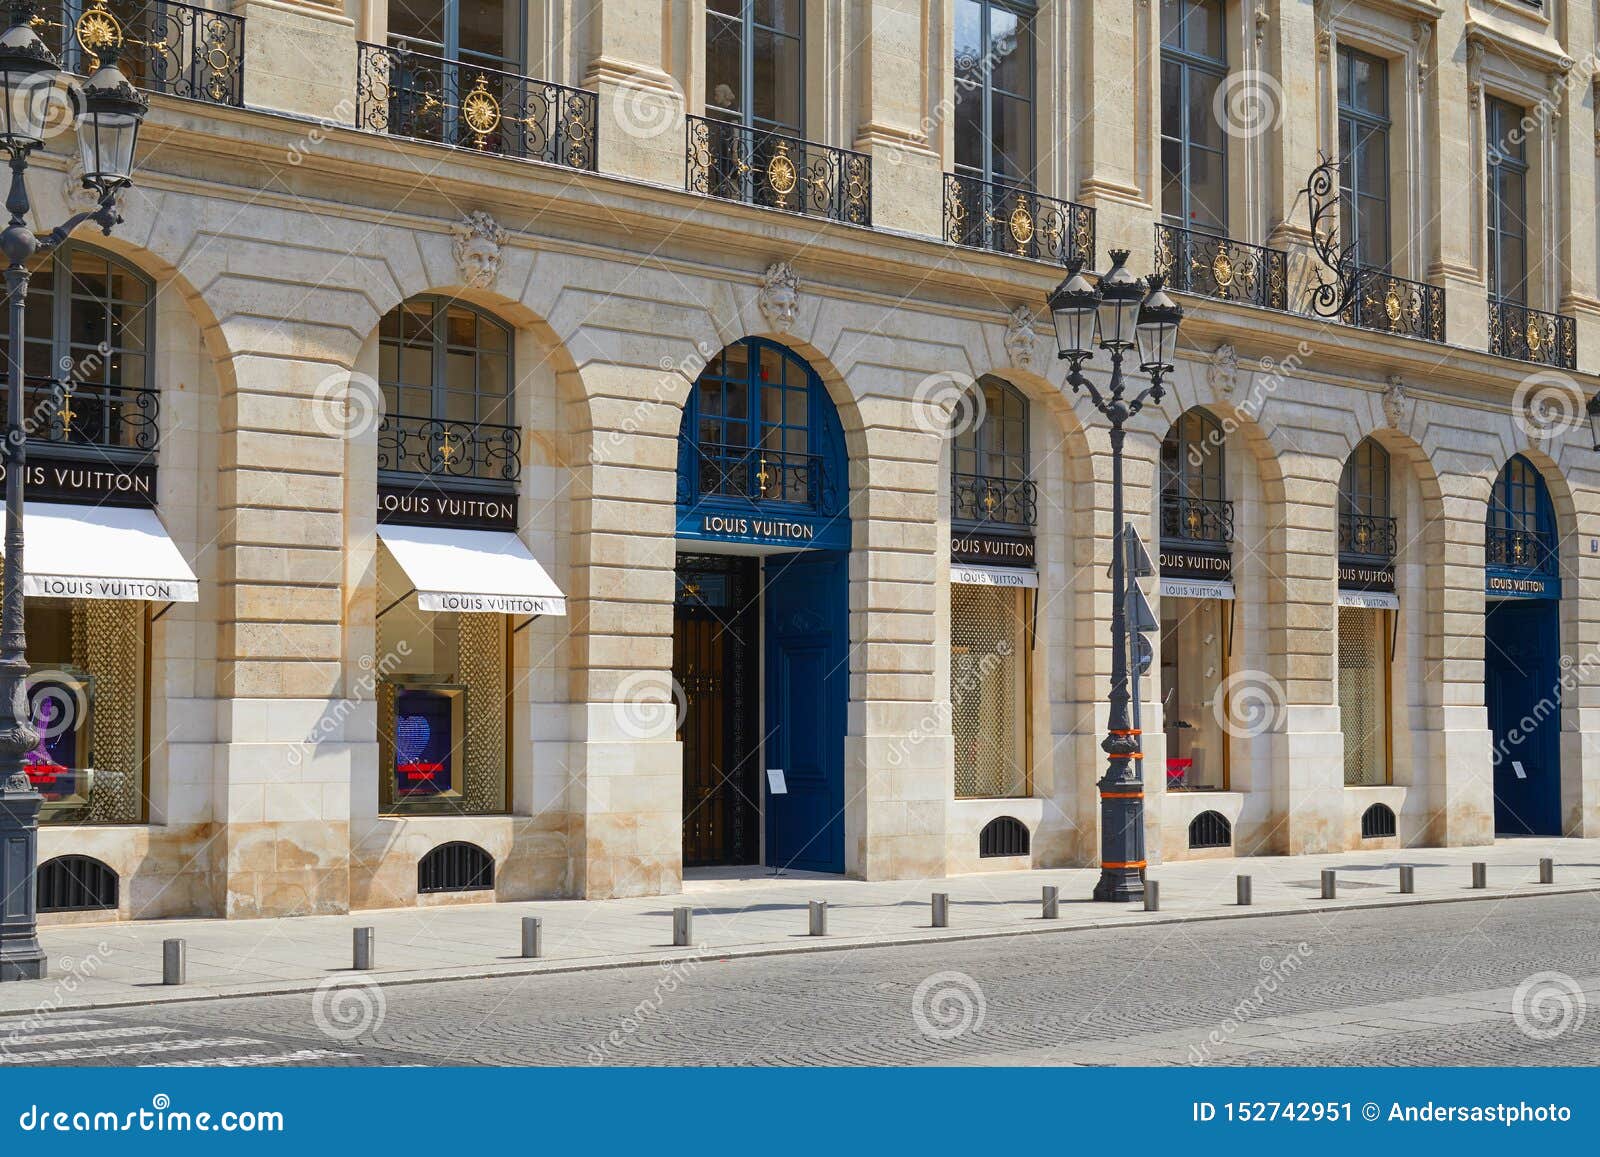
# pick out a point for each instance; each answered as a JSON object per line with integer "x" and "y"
{"x": 483, "y": 670}
{"x": 987, "y": 693}
{"x": 108, "y": 642}
{"x": 1363, "y": 696}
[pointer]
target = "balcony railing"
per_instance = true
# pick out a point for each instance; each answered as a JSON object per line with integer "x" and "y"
{"x": 1011, "y": 219}
{"x": 777, "y": 171}
{"x": 1521, "y": 548}
{"x": 1212, "y": 266}
{"x": 1531, "y": 335}
{"x": 978, "y": 498}
{"x": 1380, "y": 301}
{"x": 166, "y": 47}
{"x": 757, "y": 475}
{"x": 410, "y": 94}
{"x": 1203, "y": 521}
{"x": 117, "y": 421}
{"x": 445, "y": 449}
{"x": 1371, "y": 536}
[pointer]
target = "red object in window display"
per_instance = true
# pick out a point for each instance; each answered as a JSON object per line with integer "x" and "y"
{"x": 1178, "y": 771}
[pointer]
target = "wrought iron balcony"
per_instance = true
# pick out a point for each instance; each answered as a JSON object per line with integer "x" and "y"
{"x": 411, "y": 94}
{"x": 1383, "y": 302}
{"x": 1521, "y": 548}
{"x": 1212, "y": 266}
{"x": 982, "y": 500}
{"x": 419, "y": 445}
{"x": 1532, "y": 335}
{"x": 1369, "y": 536}
{"x": 166, "y": 47}
{"x": 1201, "y": 521}
{"x": 122, "y": 422}
{"x": 758, "y": 475}
{"x": 1012, "y": 219}
{"x": 776, "y": 171}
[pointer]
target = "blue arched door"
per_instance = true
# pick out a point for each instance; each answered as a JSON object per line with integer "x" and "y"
{"x": 761, "y": 494}
{"x": 1522, "y": 650}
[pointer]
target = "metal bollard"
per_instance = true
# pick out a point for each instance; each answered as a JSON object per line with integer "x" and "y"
{"x": 363, "y": 956}
{"x": 819, "y": 917}
{"x": 1547, "y": 871}
{"x": 1329, "y": 884}
{"x": 1480, "y": 874}
{"x": 1241, "y": 887}
{"x": 532, "y": 937}
{"x": 174, "y": 962}
{"x": 1152, "y": 896}
{"x": 1408, "y": 878}
{"x": 682, "y": 927}
{"x": 1052, "y": 902}
{"x": 941, "y": 909}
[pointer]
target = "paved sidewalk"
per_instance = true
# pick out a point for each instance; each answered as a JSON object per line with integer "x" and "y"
{"x": 107, "y": 965}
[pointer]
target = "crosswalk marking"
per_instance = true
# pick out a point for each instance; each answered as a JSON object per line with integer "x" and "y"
{"x": 122, "y": 1050}
{"x": 10, "y": 1042}
{"x": 39, "y": 1021}
{"x": 252, "y": 1059}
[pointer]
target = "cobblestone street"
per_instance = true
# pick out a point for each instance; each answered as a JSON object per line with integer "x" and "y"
{"x": 1507, "y": 982}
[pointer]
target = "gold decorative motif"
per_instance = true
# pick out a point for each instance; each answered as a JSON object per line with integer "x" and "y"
{"x": 1392, "y": 306}
{"x": 763, "y": 477}
{"x": 781, "y": 173}
{"x": 67, "y": 412}
{"x": 1222, "y": 269}
{"x": 1535, "y": 337}
{"x": 97, "y": 30}
{"x": 447, "y": 448}
{"x": 1021, "y": 224}
{"x": 480, "y": 110}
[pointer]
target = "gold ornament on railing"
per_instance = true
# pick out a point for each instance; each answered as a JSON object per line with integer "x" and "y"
{"x": 96, "y": 31}
{"x": 1535, "y": 337}
{"x": 67, "y": 412}
{"x": 781, "y": 174}
{"x": 447, "y": 449}
{"x": 480, "y": 111}
{"x": 763, "y": 477}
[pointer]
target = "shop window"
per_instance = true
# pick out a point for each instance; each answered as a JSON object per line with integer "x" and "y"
{"x": 1194, "y": 147}
{"x": 1194, "y": 501}
{"x": 988, "y": 691}
{"x": 1003, "y": 836}
{"x": 1367, "y": 530}
{"x": 991, "y": 487}
{"x": 1210, "y": 830}
{"x": 88, "y": 670}
{"x": 456, "y": 867}
{"x": 1377, "y": 822}
{"x": 1520, "y": 526}
{"x": 1195, "y": 649}
{"x": 1364, "y": 708}
{"x": 76, "y": 884}
{"x": 87, "y": 358}
{"x": 445, "y": 370}
{"x": 443, "y": 706}
{"x": 994, "y": 86}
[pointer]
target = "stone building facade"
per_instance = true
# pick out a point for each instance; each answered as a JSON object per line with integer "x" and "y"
{"x": 357, "y": 269}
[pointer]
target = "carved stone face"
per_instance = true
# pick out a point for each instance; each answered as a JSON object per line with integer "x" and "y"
{"x": 479, "y": 260}
{"x": 782, "y": 302}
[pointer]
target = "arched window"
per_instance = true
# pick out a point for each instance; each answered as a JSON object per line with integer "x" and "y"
{"x": 1521, "y": 525}
{"x": 87, "y": 354}
{"x": 1194, "y": 500}
{"x": 1366, "y": 524}
{"x": 760, "y": 428}
{"x": 991, "y": 481}
{"x": 446, "y": 373}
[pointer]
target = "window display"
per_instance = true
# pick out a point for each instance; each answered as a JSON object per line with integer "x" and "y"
{"x": 1194, "y": 666}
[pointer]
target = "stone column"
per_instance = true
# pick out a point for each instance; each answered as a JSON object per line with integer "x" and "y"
{"x": 300, "y": 58}
{"x": 641, "y": 103}
{"x": 1577, "y": 142}
{"x": 900, "y": 51}
{"x": 1113, "y": 129}
{"x": 1453, "y": 105}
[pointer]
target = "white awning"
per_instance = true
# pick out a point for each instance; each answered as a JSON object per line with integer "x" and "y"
{"x": 480, "y": 571}
{"x": 992, "y": 576}
{"x": 1374, "y": 600}
{"x": 102, "y": 552}
{"x": 1187, "y": 588}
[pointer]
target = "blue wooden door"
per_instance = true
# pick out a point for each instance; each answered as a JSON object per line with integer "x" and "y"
{"x": 807, "y": 687}
{"x": 1522, "y": 689}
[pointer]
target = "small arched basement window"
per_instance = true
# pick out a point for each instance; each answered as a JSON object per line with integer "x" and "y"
{"x": 455, "y": 867}
{"x": 1003, "y": 836}
{"x": 1210, "y": 829}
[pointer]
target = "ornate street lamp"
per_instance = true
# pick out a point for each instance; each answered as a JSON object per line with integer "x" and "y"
{"x": 1126, "y": 313}
{"x": 1592, "y": 408}
{"x": 110, "y": 111}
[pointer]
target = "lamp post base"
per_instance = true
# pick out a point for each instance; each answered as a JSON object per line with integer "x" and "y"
{"x": 21, "y": 957}
{"x": 1120, "y": 885}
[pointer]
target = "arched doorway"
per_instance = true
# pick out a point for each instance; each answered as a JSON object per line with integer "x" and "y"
{"x": 760, "y": 632}
{"x": 1368, "y": 605}
{"x": 1522, "y": 645}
